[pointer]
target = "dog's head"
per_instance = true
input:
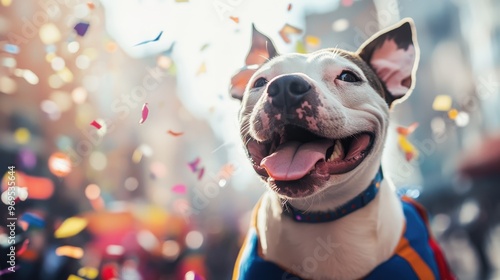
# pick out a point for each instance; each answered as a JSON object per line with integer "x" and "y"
{"x": 316, "y": 122}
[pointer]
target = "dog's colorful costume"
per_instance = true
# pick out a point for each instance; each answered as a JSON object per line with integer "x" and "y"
{"x": 417, "y": 255}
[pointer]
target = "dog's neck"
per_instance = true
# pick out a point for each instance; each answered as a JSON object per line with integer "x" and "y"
{"x": 357, "y": 242}
{"x": 358, "y": 202}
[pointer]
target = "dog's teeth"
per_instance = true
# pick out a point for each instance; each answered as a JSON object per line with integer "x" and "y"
{"x": 337, "y": 151}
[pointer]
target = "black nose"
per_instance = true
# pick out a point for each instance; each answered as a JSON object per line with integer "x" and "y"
{"x": 288, "y": 91}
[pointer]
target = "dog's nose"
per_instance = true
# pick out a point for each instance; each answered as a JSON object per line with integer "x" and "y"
{"x": 288, "y": 90}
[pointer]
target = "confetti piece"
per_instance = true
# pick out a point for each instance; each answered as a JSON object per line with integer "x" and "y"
{"x": 70, "y": 227}
{"x": 179, "y": 188}
{"x": 313, "y": 41}
{"x": 226, "y": 171}
{"x": 70, "y": 251}
{"x": 81, "y": 28}
{"x": 202, "y": 69}
{"x": 200, "y": 174}
{"x": 287, "y": 30}
{"x": 145, "y": 113}
{"x": 59, "y": 164}
{"x": 289, "y": 7}
{"x": 23, "y": 248}
{"x": 137, "y": 155}
{"x": 150, "y": 41}
{"x": 452, "y": 114}
{"x": 90, "y": 5}
{"x": 9, "y": 270}
{"x": 95, "y": 124}
{"x": 191, "y": 275}
{"x": 235, "y": 19}
{"x": 462, "y": 119}
{"x": 300, "y": 48}
{"x": 173, "y": 133}
{"x": 74, "y": 277}
{"x": 10, "y": 48}
{"x": 33, "y": 220}
{"x": 88, "y": 272}
{"x": 347, "y": 3}
{"x": 193, "y": 165}
{"x": 442, "y": 103}
{"x": 182, "y": 1}
{"x": 204, "y": 47}
{"x": 409, "y": 150}
{"x": 407, "y": 130}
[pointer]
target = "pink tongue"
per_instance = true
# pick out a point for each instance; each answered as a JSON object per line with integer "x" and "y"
{"x": 293, "y": 160}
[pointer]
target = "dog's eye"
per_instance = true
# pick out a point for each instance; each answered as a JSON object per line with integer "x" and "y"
{"x": 348, "y": 76}
{"x": 260, "y": 82}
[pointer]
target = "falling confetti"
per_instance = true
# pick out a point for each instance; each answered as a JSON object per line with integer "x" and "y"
{"x": 287, "y": 30}
{"x": 202, "y": 69}
{"x": 442, "y": 103}
{"x": 193, "y": 165}
{"x": 70, "y": 227}
{"x": 173, "y": 133}
{"x": 289, "y": 7}
{"x": 300, "y": 48}
{"x": 313, "y": 41}
{"x": 191, "y": 275}
{"x": 81, "y": 28}
{"x": 145, "y": 113}
{"x": 59, "y": 164}
{"x": 235, "y": 19}
{"x": 200, "y": 174}
{"x": 150, "y": 41}
{"x": 179, "y": 188}
{"x": 74, "y": 277}
{"x": 452, "y": 114}
{"x": 407, "y": 130}
{"x": 204, "y": 47}
{"x": 95, "y": 124}
{"x": 88, "y": 272}
{"x": 90, "y": 5}
{"x": 404, "y": 144}
{"x": 347, "y": 3}
{"x": 70, "y": 251}
{"x": 226, "y": 171}
{"x": 33, "y": 220}
{"x": 10, "y": 48}
{"x": 409, "y": 150}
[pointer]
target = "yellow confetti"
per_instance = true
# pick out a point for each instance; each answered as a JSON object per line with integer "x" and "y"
{"x": 22, "y": 135}
{"x": 300, "y": 48}
{"x": 202, "y": 69}
{"x": 88, "y": 272}
{"x": 409, "y": 150}
{"x": 442, "y": 103}
{"x": 70, "y": 251}
{"x": 70, "y": 227}
{"x": 74, "y": 277}
{"x": 452, "y": 114}
{"x": 137, "y": 155}
{"x": 313, "y": 41}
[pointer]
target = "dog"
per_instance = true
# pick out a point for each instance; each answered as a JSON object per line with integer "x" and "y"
{"x": 313, "y": 126}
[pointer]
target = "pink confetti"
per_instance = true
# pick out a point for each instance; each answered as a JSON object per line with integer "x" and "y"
{"x": 180, "y": 189}
{"x": 200, "y": 174}
{"x": 95, "y": 124}
{"x": 193, "y": 165}
{"x": 145, "y": 113}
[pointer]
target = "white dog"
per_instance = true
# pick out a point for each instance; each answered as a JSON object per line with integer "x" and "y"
{"x": 314, "y": 128}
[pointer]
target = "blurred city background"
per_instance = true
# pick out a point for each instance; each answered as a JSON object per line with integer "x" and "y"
{"x": 128, "y": 165}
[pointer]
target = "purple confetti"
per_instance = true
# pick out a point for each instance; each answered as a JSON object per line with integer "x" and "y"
{"x": 81, "y": 28}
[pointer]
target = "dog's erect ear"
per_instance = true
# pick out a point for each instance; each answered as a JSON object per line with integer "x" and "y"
{"x": 393, "y": 54}
{"x": 262, "y": 50}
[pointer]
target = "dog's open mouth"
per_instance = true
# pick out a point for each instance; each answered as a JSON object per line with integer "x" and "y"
{"x": 295, "y": 153}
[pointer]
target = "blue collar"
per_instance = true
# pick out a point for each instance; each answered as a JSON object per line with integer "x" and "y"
{"x": 358, "y": 202}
